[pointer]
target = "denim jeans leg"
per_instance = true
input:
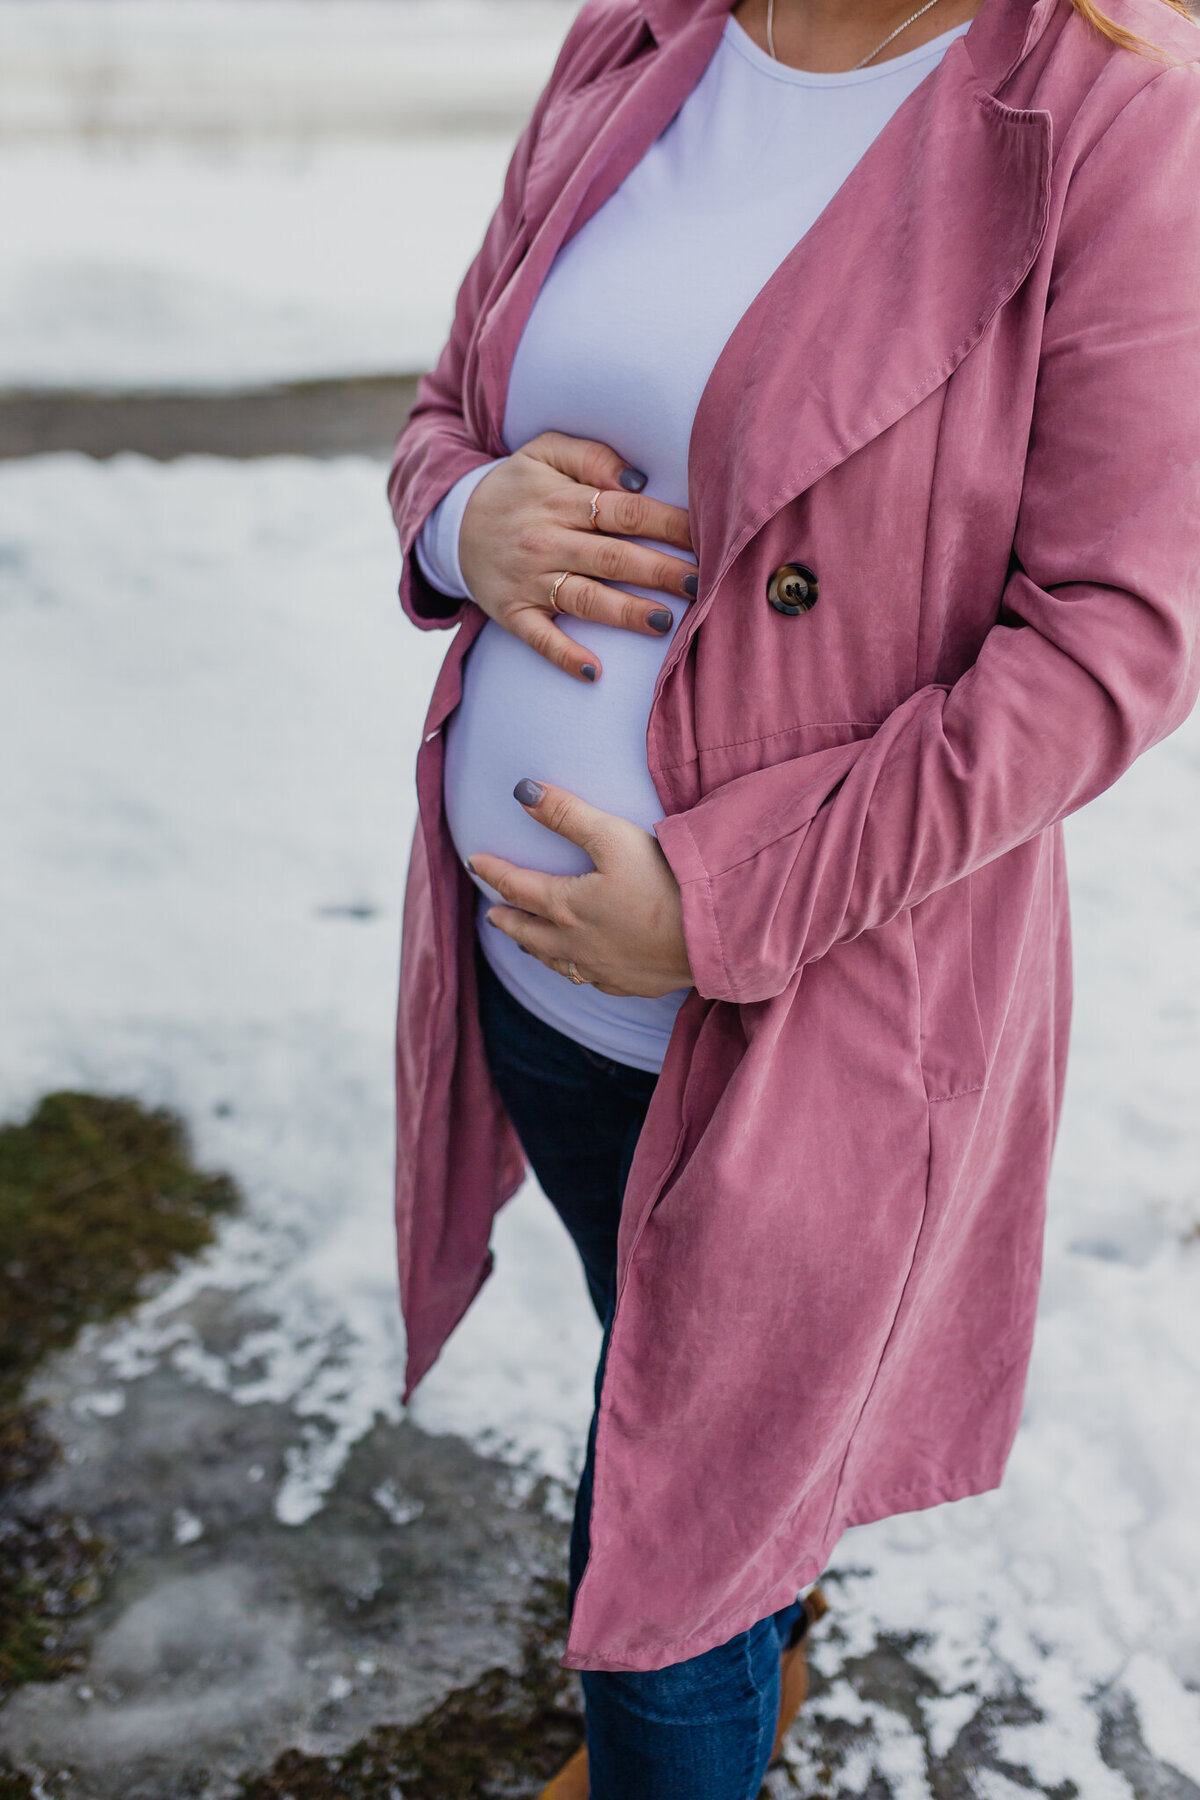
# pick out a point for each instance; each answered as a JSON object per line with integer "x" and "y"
{"x": 583, "y": 1494}
{"x": 578, "y": 1116}
{"x": 581, "y": 1520}
{"x": 701, "y": 1729}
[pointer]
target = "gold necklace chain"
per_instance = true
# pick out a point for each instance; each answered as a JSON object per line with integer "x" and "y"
{"x": 866, "y": 59}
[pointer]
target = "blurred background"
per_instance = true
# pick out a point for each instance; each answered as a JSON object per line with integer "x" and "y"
{"x": 231, "y": 1565}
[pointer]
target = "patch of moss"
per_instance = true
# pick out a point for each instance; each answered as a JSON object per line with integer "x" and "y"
{"x": 51, "y": 1567}
{"x": 501, "y": 1737}
{"x": 95, "y": 1195}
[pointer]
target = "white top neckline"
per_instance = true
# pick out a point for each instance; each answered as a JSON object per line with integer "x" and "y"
{"x": 619, "y": 345}
{"x": 739, "y": 39}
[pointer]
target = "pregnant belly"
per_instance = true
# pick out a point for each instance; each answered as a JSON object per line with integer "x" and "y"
{"x": 520, "y": 715}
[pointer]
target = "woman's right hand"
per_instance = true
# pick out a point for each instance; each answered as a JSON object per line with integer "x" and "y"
{"x": 529, "y": 519}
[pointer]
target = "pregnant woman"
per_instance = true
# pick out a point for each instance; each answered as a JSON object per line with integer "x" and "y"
{"x": 813, "y": 474}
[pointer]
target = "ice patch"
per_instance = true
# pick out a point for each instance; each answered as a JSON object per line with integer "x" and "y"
{"x": 101, "y": 1403}
{"x": 400, "y": 1510}
{"x": 186, "y": 1528}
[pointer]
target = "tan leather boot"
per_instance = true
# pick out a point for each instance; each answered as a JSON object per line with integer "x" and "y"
{"x": 793, "y": 1669}
{"x": 571, "y": 1782}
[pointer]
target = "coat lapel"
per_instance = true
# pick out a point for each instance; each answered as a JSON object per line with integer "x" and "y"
{"x": 934, "y": 228}
{"x": 590, "y": 140}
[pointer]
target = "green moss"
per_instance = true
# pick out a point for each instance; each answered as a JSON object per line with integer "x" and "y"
{"x": 95, "y": 1195}
{"x": 51, "y": 1567}
{"x": 502, "y": 1736}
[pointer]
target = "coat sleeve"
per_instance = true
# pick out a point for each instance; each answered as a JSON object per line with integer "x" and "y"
{"x": 1094, "y": 656}
{"x": 435, "y": 448}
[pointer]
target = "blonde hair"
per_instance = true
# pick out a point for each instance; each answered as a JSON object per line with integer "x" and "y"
{"x": 1117, "y": 34}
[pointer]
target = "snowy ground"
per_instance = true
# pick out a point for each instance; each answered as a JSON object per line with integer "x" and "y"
{"x": 212, "y": 70}
{"x": 209, "y": 703}
{"x": 177, "y": 266}
{"x": 228, "y": 192}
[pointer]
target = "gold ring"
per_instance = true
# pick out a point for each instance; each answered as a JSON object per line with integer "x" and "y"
{"x": 576, "y": 977}
{"x": 558, "y": 581}
{"x": 595, "y": 518}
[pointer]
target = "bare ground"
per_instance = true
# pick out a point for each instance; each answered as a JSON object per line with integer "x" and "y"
{"x": 307, "y": 418}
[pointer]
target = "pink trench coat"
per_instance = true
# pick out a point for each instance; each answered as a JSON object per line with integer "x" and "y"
{"x": 970, "y": 401}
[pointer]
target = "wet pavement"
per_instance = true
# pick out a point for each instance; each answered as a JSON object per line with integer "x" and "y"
{"x": 225, "y": 1638}
{"x": 308, "y": 418}
{"x": 409, "y": 1624}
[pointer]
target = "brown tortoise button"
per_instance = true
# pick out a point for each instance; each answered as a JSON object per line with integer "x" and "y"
{"x": 792, "y": 589}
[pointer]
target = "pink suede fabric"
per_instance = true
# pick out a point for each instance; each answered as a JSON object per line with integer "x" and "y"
{"x": 970, "y": 400}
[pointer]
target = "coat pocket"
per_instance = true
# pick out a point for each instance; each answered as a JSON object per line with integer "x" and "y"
{"x": 953, "y": 1050}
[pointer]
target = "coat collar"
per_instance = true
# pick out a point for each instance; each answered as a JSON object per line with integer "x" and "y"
{"x": 891, "y": 287}
{"x": 873, "y": 309}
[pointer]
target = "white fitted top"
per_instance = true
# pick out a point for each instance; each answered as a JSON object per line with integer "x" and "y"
{"x": 619, "y": 346}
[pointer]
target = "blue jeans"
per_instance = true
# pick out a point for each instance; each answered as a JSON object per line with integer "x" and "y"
{"x": 702, "y": 1729}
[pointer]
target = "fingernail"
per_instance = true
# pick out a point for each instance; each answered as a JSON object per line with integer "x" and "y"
{"x": 528, "y": 792}
{"x": 490, "y": 920}
{"x": 471, "y": 869}
{"x": 589, "y": 671}
{"x": 659, "y": 620}
{"x": 691, "y": 585}
{"x": 633, "y": 479}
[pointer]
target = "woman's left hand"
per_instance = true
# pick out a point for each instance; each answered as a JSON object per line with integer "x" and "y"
{"x": 621, "y": 924}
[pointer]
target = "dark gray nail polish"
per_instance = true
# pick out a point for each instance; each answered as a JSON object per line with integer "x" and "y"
{"x": 633, "y": 479}
{"x": 691, "y": 585}
{"x": 528, "y": 792}
{"x": 589, "y": 671}
{"x": 660, "y": 620}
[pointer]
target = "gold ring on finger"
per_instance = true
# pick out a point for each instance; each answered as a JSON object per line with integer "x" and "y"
{"x": 576, "y": 977}
{"x": 558, "y": 581}
{"x": 594, "y": 521}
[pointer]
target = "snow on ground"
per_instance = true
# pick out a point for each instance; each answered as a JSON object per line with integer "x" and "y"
{"x": 226, "y": 192}
{"x": 98, "y": 70}
{"x": 177, "y": 266}
{"x": 209, "y": 703}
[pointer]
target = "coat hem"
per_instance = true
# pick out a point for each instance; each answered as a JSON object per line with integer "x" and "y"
{"x": 865, "y": 1512}
{"x": 418, "y": 1367}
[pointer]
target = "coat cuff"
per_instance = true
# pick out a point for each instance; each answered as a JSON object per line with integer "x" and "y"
{"x": 424, "y": 603}
{"x": 742, "y": 858}
{"x": 701, "y": 929}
